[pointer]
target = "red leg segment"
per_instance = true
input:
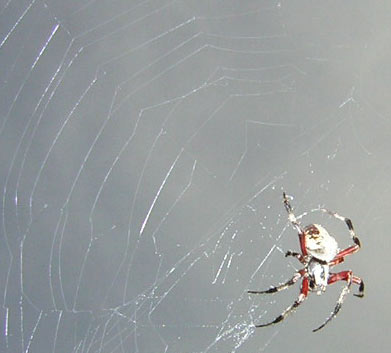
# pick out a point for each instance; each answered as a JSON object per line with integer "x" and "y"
{"x": 340, "y": 276}
{"x": 336, "y": 261}
{"x": 302, "y": 244}
{"x": 348, "y": 251}
{"x": 348, "y": 276}
{"x": 304, "y": 287}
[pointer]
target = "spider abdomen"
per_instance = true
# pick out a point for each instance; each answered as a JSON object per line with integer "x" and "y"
{"x": 319, "y": 243}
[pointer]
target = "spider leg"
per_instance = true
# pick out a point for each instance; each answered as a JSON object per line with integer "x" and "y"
{"x": 349, "y": 278}
{"x": 281, "y": 287}
{"x": 343, "y": 276}
{"x": 360, "y": 282}
{"x": 291, "y": 216}
{"x": 303, "y": 294}
{"x": 351, "y": 249}
{"x": 298, "y": 256}
{"x": 295, "y": 223}
{"x": 348, "y": 251}
{"x": 337, "y": 260}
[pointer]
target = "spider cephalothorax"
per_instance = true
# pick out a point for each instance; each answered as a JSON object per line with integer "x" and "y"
{"x": 319, "y": 252}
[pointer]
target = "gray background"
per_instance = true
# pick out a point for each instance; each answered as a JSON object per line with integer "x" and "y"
{"x": 144, "y": 147}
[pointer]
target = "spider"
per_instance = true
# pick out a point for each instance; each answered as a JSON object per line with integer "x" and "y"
{"x": 319, "y": 252}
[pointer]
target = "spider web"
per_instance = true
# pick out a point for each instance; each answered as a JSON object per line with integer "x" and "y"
{"x": 144, "y": 149}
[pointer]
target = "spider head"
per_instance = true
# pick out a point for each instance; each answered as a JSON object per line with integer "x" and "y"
{"x": 318, "y": 274}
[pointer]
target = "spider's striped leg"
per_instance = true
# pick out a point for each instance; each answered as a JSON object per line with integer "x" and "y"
{"x": 344, "y": 276}
{"x": 291, "y": 216}
{"x": 281, "y": 287}
{"x": 348, "y": 251}
{"x": 303, "y": 294}
{"x": 357, "y": 245}
{"x": 295, "y": 223}
{"x": 349, "y": 278}
{"x": 298, "y": 256}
